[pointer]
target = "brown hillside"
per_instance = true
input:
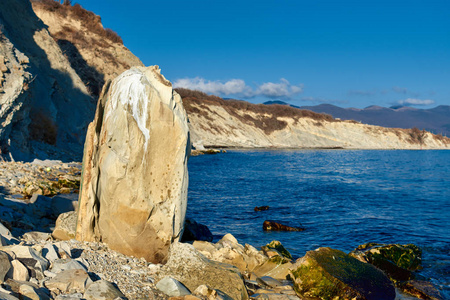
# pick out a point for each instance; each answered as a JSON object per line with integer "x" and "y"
{"x": 265, "y": 117}
{"x": 96, "y": 53}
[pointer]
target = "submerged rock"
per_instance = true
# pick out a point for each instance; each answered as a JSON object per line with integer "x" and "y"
{"x": 397, "y": 261}
{"x": 261, "y": 208}
{"x": 331, "y": 274}
{"x": 134, "y": 185}
{"x": 270, "y": 225}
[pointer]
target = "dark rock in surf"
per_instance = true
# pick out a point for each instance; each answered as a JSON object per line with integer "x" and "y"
{"x": 270, "y": 225}
{"x": 194, "y": 231}
{"x": 397, "y": 261}
{"x": 261, "y": 208}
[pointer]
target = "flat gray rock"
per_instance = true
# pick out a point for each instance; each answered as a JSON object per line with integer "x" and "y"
{"x": 102, "y": 290}
{"x": 66, "y": 264}
{"x": 268, "y": 281}
{"x": 172, "y": 287}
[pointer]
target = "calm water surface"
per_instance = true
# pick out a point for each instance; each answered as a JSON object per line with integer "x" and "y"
{"x": 344, "y": 198}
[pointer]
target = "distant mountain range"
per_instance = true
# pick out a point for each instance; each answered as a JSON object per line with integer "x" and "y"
{"x": 435, "y": 120}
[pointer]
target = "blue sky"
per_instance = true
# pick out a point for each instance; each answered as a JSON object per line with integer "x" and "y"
{"x": 306, "y": 52}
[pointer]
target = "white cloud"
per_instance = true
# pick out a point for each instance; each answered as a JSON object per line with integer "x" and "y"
{"x": 233, "y": 86}
{"x": 412, "y": 101}
{"x": 238, "y": 87}
{"x": 278, "y": 90}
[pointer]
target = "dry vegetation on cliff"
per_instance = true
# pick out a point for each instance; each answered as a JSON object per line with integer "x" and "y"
{"x": 96, "y": 53}
{"x": 89, "y": 20}
{"x": 265, "y": 117}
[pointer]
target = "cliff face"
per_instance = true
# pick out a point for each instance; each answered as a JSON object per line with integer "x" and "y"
{"x": 215, "y": 122}
{"x": 39, "y": 90}
{"x": 96, "y": 53}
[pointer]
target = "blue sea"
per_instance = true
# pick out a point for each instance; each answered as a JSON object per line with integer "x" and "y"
{"x": 344, "y": 198}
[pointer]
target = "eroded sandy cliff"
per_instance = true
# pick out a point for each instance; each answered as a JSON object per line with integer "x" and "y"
{"x": 215, "y": 122}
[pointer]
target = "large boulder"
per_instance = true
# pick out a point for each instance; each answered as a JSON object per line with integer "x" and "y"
{"x": 134, "y": 182}
{"x": 193, "y": 269}
{"x": 331, "y": 274}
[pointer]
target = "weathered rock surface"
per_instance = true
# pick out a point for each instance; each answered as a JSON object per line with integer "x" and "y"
{"x": 134, "y": 189}
{"x": 191, "y": 268}
{"x": 45, "y": 105}
{"x": 331, "y": 274}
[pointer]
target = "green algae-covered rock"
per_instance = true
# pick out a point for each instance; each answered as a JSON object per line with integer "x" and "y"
{"x": 330, "y": 274}
{"x": 276, "y": 252}
{"x": 397, "y": 261}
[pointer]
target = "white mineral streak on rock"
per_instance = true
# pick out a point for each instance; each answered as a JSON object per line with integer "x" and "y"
{"x": 131, "y": 89}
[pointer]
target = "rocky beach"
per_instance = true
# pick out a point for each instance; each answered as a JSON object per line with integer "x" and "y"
{"x": 113, "y": 226}
{"x": 37, "y": 265}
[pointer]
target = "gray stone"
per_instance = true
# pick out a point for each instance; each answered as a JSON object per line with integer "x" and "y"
{"x": 30, "y": 293}
{"x": 269, "y": 281}
{"x": 28, "y": 256}
{"x": 66, "y": 264}
{"x": 69, "y": 281}
{"x": 172, "y": 287}
{"x": 63, "y": 249}
{"x": 18, "y": 271}
{"x": 5, "y": 265}
{"x": 102, "y": 290}
{"x": 65, "y": 227}
{"x": 134, "y": 187}
{"x": 50, "y": 252}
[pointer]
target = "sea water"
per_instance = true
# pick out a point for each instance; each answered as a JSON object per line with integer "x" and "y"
{"x": 344, "y": 198}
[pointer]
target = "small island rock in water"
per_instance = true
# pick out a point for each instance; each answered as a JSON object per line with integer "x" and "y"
{"x": 135, "y": 179}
